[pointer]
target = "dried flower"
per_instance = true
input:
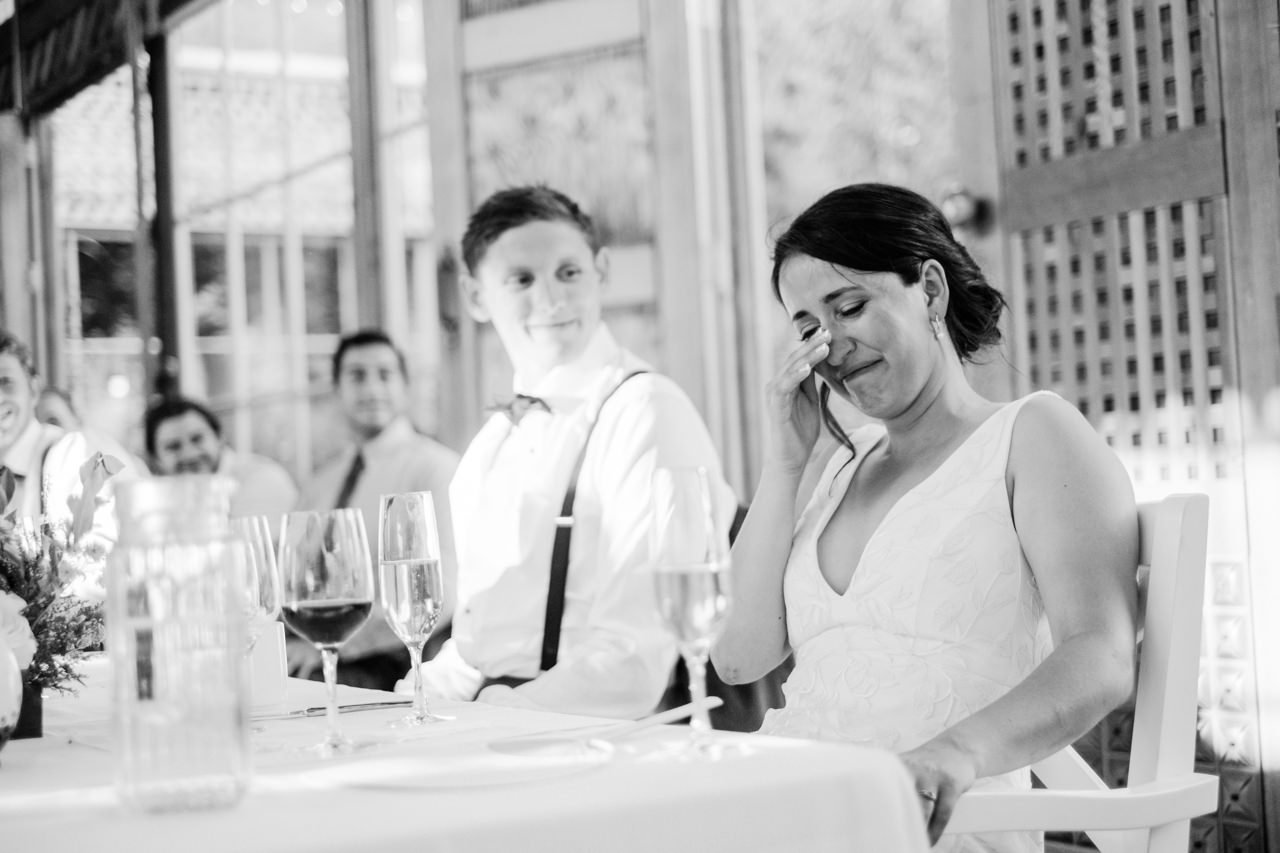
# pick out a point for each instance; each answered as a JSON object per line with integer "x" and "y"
{"x": 51, "y": 580}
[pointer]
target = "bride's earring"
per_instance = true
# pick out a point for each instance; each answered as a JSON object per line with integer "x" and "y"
{"x": 936, "y": 322}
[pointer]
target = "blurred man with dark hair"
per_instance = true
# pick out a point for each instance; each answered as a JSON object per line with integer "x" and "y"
{"x": 185, "y": 437}
{"x": 387, "y": 456}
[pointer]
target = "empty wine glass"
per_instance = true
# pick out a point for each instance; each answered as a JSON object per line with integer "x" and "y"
{"x": 262, "y": 581}
{"x": 327, "y": 581}
{"x": 410, "y": 585}
{"x": 690, "y": 554}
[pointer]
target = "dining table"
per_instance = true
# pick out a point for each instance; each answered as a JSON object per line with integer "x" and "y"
{"x": 458, "y": 786}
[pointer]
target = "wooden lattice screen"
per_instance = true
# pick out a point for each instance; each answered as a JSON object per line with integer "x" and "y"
{"x": 1114, "y": 201}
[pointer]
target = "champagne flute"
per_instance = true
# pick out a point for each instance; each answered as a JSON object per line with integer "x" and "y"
{"x": 690, "y": 556}
{"x": 410, "y": 586}
{"x": 262, "y": 583}
{"x": 328, "y": 589}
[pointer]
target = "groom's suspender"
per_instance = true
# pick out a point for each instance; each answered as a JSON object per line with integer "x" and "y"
{"x": 560, "y": 548}
{"x": 560, "y": 560}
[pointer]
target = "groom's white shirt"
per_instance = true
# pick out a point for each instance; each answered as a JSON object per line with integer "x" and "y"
{"x": 616, "y": 655}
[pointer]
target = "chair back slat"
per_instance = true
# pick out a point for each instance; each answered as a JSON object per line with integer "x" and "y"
{"x": 1173, "y": 535}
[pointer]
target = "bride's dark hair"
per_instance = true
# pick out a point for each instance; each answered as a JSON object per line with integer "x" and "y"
{"x": 883, "y": 228}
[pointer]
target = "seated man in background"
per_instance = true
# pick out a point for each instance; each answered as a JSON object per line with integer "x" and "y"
{"x": 184, "y": 437}
{"x": 588, "y": 415}
{"x": 387, "y": 455}
{"x": 43, "y": 460}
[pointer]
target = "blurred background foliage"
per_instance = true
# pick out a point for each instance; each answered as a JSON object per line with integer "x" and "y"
{"x": 853, "y": 92}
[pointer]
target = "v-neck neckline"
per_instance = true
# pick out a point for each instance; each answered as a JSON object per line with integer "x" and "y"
{"x": 834, "y": 504}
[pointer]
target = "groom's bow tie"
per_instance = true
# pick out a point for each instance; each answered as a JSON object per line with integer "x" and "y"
{"x": 519, "y": 406}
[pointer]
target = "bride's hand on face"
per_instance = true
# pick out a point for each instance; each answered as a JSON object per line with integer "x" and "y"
{"x": 792, "y": 403}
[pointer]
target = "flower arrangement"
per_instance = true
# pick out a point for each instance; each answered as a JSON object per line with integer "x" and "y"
{"x": 51, "y": 591}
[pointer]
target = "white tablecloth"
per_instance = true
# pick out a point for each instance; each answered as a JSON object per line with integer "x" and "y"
{"x": 445, "y": 790}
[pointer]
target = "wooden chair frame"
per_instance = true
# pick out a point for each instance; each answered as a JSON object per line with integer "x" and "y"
{"x": 1153, "y": 812}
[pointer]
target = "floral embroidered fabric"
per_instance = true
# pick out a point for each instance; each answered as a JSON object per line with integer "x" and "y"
{"x": 942, "y": 615}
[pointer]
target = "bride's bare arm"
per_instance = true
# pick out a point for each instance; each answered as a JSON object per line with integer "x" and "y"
{"x": 1074, "y": 511}
{"x": 754, "y": 640}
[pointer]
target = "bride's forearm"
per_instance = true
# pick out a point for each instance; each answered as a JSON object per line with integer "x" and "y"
{"x": 1084, "y": 678}
{"x": 754, "y": 640}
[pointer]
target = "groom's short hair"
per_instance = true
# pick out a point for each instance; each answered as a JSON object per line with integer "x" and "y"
{"x": 516, "y": 206}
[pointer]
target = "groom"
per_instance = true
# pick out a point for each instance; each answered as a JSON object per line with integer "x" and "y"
{"x": 551, "y": 502}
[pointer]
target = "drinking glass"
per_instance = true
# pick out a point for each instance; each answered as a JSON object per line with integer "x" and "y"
{"x": 410, "y": 585}
{"x": 327, "y": 581}
{"x": 262, "y": 580}
{"x": 691, "y": 577}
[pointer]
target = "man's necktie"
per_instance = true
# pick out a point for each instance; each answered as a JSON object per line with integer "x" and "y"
{"x": 349, "y": 482}
{"x": 519, "y": 406}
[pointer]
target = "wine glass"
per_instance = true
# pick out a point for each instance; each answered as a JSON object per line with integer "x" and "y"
{"x": 327, "y": 581}
{"x": 262, "y": 582}
{"x": 690, "y": 554}
{"x": 409, "y": 582}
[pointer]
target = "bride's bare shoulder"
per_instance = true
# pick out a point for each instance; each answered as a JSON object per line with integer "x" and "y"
{"x": 1051, "y": 434}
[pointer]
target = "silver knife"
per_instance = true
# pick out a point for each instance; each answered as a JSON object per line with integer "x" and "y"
{"x": 321, "y": 710}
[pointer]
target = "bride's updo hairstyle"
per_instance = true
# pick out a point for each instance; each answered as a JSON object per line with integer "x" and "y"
{"x": 872, "y": 228}
{"x": 881, "y": 228}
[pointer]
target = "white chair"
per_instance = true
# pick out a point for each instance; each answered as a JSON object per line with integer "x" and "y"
{"x": 1153, "y": 813}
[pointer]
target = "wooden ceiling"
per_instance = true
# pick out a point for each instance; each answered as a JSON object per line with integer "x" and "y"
{"x": 51, "y": 49}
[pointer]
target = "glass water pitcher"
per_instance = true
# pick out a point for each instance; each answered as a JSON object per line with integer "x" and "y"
{"x": 176, "y": 633}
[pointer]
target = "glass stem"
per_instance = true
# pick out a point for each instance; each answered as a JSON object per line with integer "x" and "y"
{"x": 700, "y": 722}
{"x": 329, "y": 656}
{"x": 419, "y": 696}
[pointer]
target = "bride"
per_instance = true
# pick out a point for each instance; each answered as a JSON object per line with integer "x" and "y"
{"x": 956, "y": 579}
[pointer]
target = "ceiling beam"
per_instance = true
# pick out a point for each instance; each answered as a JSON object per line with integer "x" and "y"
{"x": 45, "y": 30}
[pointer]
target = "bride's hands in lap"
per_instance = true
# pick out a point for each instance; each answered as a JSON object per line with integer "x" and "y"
{"x": 943, "y": 770}
{"x": 792, "y": 403}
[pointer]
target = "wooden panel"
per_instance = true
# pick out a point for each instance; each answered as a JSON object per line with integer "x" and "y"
{"x": 451, "y": 203}
{"x": 1092, "y": 75}
{"x": 548, "y": 30}
{"x": 366, "y": 155}
{"x": 238, "y": 334}
{"x": 480, "y": 8}
{"x": 1251, "y": 105}
{"x": 15, "y": 299}
{"x": 631, "y": 277}
{"x": 581, "y": 124}
{"x": 1098, "y": 299}
{"x": 157, "y": 294}
{"x": 976, "y": 104}
{"x": 1062, "y": 367}
{"x": 1154, "y": 275}
{"x": 1105, "y": 265}
{"x": 756, "y": 307}
{"x": 675, "y": 217}
{"x": 1021, "y": 322}
{"x": 1115, "y": 305}
{"x": 1172, "y": 168}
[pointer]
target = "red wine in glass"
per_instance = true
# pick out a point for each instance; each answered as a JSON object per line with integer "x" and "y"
{"x": 326, "y": 574}
{"x": 326, "y": 623}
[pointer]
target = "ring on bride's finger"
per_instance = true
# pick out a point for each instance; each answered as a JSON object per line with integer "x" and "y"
{"x": 931, "y": 796}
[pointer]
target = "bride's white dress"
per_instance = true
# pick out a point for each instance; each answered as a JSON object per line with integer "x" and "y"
{"x": 942, "y": 615}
